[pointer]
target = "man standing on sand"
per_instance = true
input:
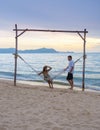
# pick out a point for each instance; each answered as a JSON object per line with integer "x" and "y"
{"x": 70, "y": 70}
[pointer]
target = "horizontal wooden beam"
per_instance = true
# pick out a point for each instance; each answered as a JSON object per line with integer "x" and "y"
{"x": 43, "y": 30}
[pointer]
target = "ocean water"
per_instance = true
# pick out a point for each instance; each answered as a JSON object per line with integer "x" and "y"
{"x": 57, "y": 61}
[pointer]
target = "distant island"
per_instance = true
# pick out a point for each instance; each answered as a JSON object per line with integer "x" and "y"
{"x": 40, "y": 50}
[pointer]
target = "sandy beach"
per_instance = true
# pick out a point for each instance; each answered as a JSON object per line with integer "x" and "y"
{"x": 37, "y": 107}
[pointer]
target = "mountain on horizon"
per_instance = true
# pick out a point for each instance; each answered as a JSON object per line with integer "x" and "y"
{"x": 7, "y": 50}
{"x": 40, "y": 50}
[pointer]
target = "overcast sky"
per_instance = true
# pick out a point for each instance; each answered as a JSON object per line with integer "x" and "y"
{"x": 50, "y": 14}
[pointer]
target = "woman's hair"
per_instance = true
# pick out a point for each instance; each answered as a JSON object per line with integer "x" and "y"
{"x": 44, "y": 68}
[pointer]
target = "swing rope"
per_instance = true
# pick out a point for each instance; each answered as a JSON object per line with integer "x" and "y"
{"x": 29, "y": 65}
{"x": 54, "y": 77}
{"x": 62, "y": 71}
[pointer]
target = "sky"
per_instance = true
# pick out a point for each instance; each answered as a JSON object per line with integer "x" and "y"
{"x": 74, "y": 15}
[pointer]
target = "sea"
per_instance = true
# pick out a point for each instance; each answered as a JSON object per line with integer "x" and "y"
{"x": 31, "y": 64}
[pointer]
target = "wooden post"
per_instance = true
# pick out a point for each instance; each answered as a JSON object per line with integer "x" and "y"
{"x": 16, "y": 51}
{"x": 84, "y": 57}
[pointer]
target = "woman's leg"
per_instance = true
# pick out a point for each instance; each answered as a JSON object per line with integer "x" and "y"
{"x": 49, "y": 84}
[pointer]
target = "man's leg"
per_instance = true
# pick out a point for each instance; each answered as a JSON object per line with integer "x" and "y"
{"x": 71, "y": 83}
{"x": 70, "y": 79}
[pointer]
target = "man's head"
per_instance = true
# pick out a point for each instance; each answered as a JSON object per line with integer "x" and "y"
{"x": 69, "y": 57}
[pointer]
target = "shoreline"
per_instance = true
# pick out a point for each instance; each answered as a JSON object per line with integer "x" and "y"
{"x": 57, "y": 85}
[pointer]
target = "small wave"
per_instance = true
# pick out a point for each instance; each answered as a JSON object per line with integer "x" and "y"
{"x": 6, "y": 73}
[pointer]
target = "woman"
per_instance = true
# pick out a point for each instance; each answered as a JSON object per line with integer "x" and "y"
{"x": 46, "y": 75}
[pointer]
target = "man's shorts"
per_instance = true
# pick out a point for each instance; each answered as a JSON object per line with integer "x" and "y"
{"x": 69, "y": 76}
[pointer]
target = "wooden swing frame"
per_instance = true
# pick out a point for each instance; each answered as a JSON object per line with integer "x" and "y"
{"x": 22, "y": 31}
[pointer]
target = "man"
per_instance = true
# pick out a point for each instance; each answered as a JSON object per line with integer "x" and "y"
{"x": 70, "y": 70}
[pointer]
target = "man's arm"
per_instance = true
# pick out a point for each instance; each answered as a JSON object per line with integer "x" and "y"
{"x": 65, "y": 68}
{"x": 71, "y": 69}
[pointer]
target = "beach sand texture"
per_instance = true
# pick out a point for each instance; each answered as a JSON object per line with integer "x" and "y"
{"x": 36, "y": 107}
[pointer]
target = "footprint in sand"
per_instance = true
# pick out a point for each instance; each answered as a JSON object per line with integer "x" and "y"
{"x": 2, "y": 128}
{"x": 57, "y": 128}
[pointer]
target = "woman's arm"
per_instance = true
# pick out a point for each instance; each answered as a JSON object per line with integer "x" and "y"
{"x": 40, "y": 73}
{"x": 49, "y": 68}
